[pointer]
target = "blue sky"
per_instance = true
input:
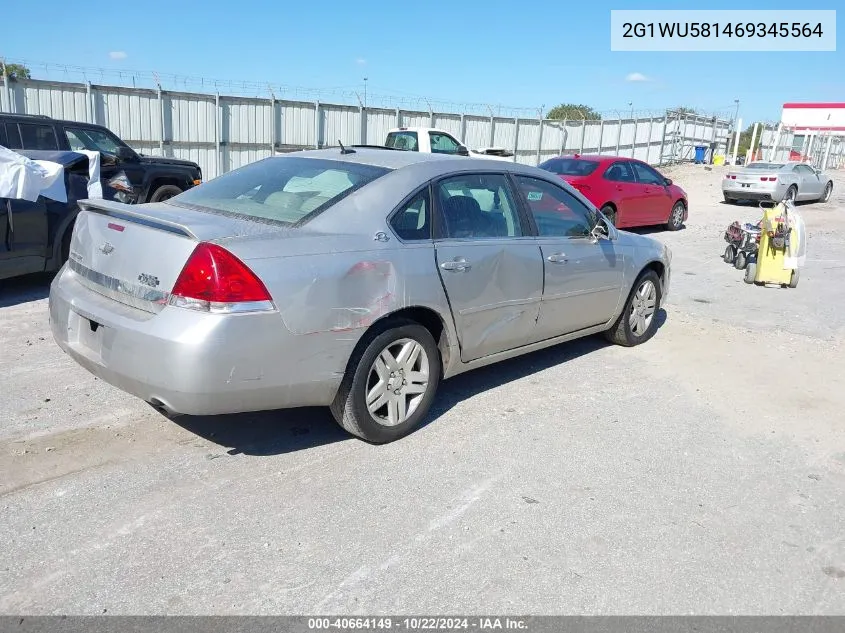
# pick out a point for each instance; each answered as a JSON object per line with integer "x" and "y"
{"x": 502, "y": 53}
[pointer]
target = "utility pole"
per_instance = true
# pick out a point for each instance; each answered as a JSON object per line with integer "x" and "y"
{"x": 365, "y": 93}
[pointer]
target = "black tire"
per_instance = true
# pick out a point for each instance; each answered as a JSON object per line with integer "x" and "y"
{"x": 730, "y": 254}
{"x": 791, "y": 193}
{"x": 621, "y": 332}
{"x": 793, "y": 282}
{"x": 165, "y": 192}
{"x": 609, "y": 213}
{"x": 828, "y": 190}
{"x": 350, "y": 407}
{"x": 750, "y": 272}
{"x": 676, "y": 218}
{"x": 741, "y": 260}
{"x": 728, "y": 200}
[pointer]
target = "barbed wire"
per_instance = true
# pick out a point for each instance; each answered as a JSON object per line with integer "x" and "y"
{"x": 351, "y": 95}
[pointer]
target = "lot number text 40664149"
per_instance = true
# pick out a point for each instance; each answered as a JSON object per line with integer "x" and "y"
{"x": 716, "y": 29}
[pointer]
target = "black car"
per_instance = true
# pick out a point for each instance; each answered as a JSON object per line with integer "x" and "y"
{"x": 35, "y": 236}
{"x": 126, "y": 175}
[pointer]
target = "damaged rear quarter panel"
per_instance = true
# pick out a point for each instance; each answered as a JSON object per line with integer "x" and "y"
{"x": 346, "y": 291}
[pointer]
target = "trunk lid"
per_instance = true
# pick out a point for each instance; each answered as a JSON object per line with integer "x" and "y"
{"x": 752, "y": 176}
{"x": 133, "y": 254}
{"x": 579, "y": 182}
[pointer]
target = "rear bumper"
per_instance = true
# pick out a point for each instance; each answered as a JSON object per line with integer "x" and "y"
{"x": 195, "y": 363}
{"x": 755, "y": 192}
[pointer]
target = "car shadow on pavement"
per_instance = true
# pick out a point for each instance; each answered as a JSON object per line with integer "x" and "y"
{"x": 25, "y": 289}
{"x": 474, "y": 382}
{"x": 267, "y": 433}
{"x": 651, "y": 230}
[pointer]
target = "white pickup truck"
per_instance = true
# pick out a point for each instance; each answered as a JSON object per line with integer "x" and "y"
{"x": 430, "y": 140}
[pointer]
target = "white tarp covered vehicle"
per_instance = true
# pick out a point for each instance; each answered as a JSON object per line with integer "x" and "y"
{"x": 429, "y": 140}
{"x": 23, "y": 178}
{"x": 39, "y": 201}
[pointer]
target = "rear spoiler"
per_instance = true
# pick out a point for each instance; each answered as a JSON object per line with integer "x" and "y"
{"x": 133, "y": 214}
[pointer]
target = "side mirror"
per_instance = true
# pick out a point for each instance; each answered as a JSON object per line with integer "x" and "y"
{"x": 667, "y": 181}
{"x": 601, "y": 231}
{"x": 126, "y": 155}
{"x": 462, "y": 150}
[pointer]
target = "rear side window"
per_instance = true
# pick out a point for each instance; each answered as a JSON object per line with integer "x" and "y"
{"x": 403, "y": 140}
{"x": 38, "y": 136}
{"x": 286, "y": 190}
{"x": 570, "y": 166}
{"x": 91, "y": 139}
{"x": 413, "y": 221}
{"x": 13, "y": 136}
{"x": 620, "y": 172}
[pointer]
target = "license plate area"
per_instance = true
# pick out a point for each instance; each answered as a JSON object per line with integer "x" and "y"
{"x": 86, "y": 335}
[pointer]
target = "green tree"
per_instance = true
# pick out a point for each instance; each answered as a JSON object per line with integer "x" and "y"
{"x": 745, "y": 139}
{"x": 573, "y": 111}
{"x": 16, "y": 71}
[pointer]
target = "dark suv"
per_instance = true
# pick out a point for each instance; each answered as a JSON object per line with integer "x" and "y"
{"x": 147, "y": 178}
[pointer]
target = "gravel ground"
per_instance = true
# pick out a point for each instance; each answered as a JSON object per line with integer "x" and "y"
{"x": 700, "y": 473}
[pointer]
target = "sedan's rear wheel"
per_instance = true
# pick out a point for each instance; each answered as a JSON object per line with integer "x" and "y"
{"x": 390, "y": 383}
{"x": 638, "y": 321}
{"x": 791, "y": 194}
{"x": 610, "y": 213}
{"x": 827, "y": 191}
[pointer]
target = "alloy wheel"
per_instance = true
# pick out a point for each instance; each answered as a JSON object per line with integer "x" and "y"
{"x": 643, "y": 307}
{"x": 397, "y": 382}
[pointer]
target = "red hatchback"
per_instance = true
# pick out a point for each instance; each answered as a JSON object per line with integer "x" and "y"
{"x": 628, "y": 191}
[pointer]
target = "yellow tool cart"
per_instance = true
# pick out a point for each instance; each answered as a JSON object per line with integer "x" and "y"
{"x": 782, "y": 247}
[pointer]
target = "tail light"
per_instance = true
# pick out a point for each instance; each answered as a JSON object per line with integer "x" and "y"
{"x": 730, "y": 177}
{"x": 214, "y": 280}
{"x": 768, "y": 178}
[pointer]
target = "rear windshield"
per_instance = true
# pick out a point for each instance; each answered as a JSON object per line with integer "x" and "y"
{"x": 766, "y": 166}
{"x": 403, "y": 140}
{"x": 286, "y": 189}
{"x": 570, "y": 166}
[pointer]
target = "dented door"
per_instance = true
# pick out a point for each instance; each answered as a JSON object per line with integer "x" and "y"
{"x": 494, "y": 287}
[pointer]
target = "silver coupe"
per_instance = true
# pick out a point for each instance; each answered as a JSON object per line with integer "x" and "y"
{"x": 776, "y": 182}
{"x": 353, "y": 278}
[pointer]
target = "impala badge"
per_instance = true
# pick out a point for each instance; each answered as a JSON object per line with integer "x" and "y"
{"x": 106, "y": 248}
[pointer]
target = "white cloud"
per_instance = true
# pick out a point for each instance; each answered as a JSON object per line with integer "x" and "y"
{"x": 118, "y": 55}
{"x": 360, "y": 61}
{"x": 636, "y": 77}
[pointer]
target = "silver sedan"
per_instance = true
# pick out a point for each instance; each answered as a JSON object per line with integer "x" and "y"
{"x": 776, "y": 182}
{"x": 354, "y": 278}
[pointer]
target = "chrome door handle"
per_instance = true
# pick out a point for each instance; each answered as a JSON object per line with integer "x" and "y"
{"x": 457, "y": 265}
{"x": 558, "y": 258}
